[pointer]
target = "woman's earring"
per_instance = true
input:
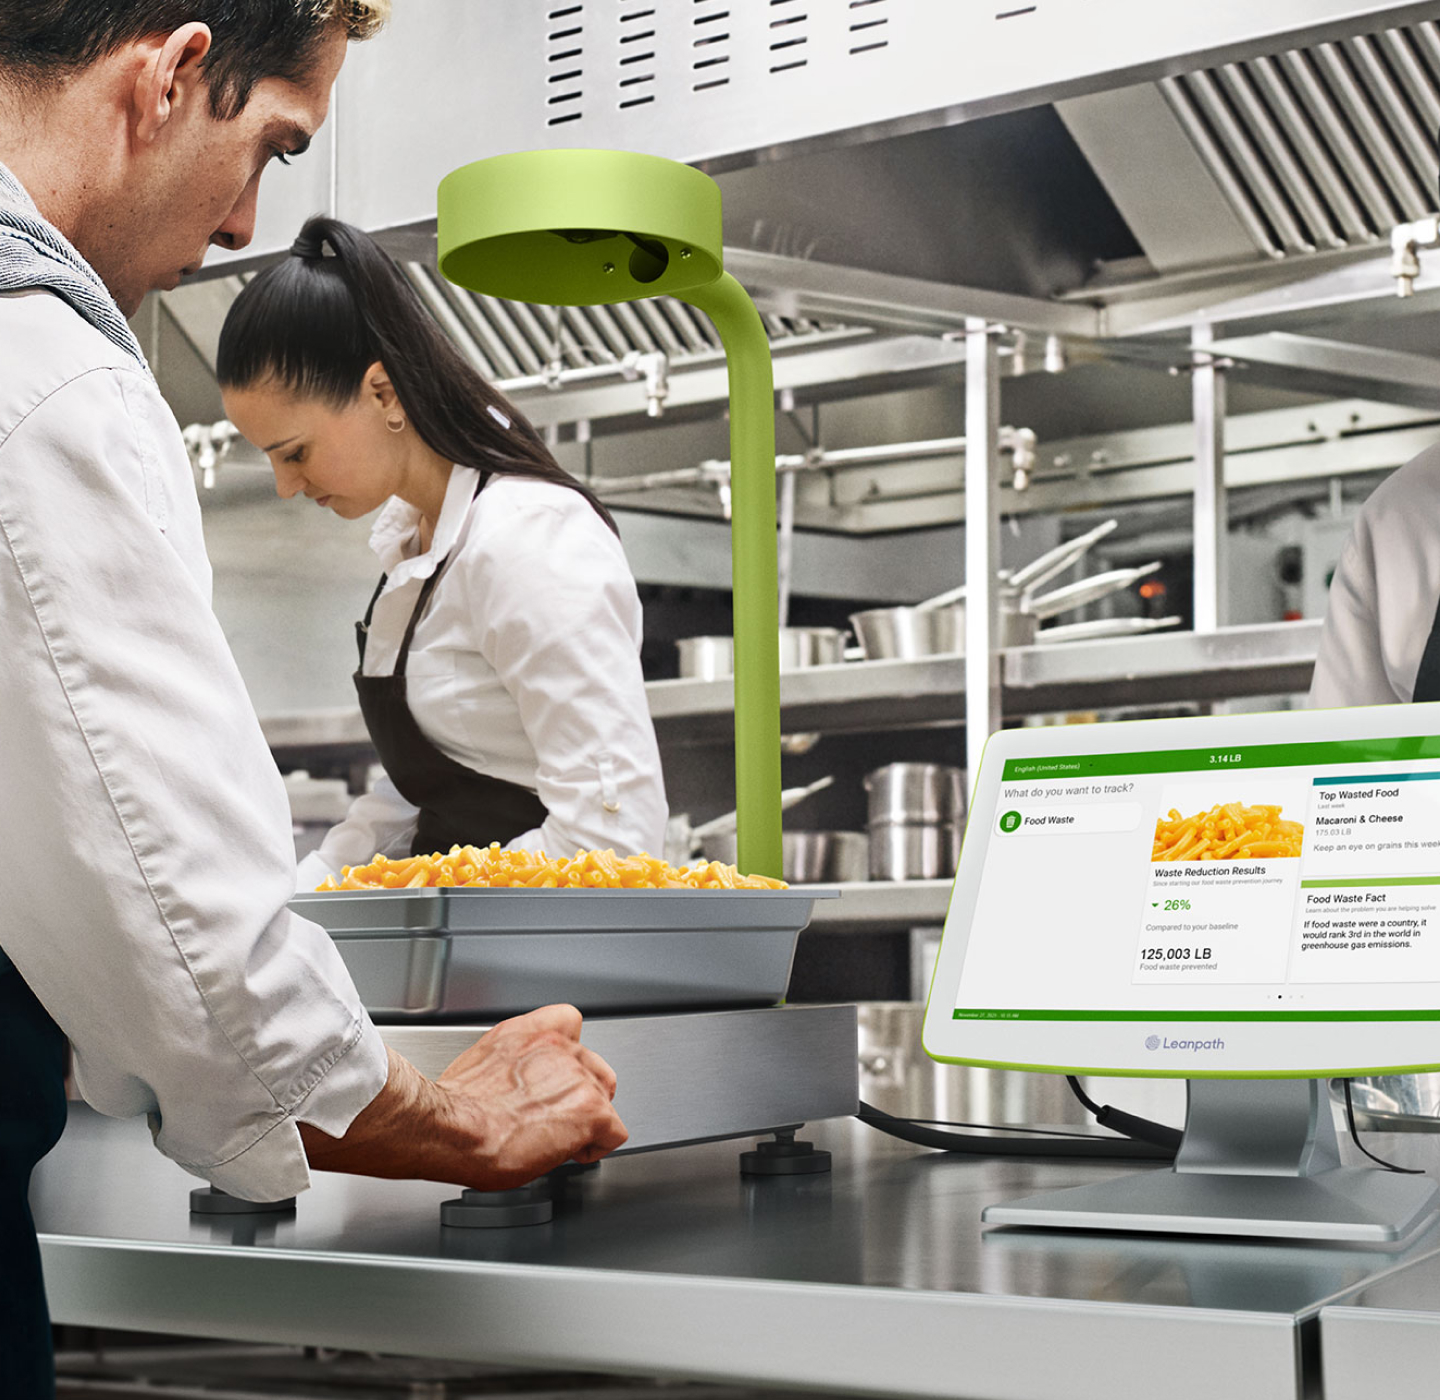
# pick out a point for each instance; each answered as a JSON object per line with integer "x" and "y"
{"x": 395, "y": 423}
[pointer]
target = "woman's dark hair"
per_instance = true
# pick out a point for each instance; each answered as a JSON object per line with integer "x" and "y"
{"x": 315, "y": 323}
{"x": 44, "y": 41}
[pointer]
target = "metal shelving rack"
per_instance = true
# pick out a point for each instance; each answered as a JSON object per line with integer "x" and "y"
{"x": 1231, "y": 663}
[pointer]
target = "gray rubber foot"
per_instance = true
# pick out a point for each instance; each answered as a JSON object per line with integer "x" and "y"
{"x": 498, "y": 1210}
{"x": 784, "y": 1157}
{"x": 211, "y": 1200}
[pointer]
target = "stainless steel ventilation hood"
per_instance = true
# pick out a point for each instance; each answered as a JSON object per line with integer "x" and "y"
{"x": 1101, "y": 172}
{"x": 919, "y": 159}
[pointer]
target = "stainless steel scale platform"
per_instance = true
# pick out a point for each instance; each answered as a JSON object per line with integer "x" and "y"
{"x": 684, "y": 1077}
{"x": 695, "y": 1076}
{"x": 690, "y": 1068}
{"x": 658, "y": 974}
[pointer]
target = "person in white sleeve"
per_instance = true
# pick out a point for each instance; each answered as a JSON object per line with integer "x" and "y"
{"x": 499, "y": 658}
{"x": 1381, "y": 640}
{"x": 148, "y": 859}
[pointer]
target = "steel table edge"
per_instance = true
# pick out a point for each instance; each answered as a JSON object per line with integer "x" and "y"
{"x": 1365, "y": 1352}
{"x": 912, "y": 1342}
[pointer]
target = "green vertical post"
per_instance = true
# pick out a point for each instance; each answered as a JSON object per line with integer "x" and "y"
{"x": 754, "y": 570}
{"x": 593, "y": 228}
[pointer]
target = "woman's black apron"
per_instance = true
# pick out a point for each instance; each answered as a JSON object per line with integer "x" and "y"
{"x": 32, "y": 1117}
{"x": 458, "y": 806}
{"x": 1427, "y": 678}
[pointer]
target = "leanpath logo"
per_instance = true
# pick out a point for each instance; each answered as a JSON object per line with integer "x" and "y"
{"x": 1163, "y": 1042}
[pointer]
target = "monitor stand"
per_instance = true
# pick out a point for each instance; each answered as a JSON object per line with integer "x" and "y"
{"x": 1259, "y": 1157}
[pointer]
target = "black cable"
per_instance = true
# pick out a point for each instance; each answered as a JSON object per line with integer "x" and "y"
{"x": 1141, "y": 1129}
{"x": 1355, "y": 1136}
{"x": 995, "y": 1128}
{"x": 907, "y": 1130}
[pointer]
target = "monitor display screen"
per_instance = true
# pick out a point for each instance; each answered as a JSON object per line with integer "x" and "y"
{"x": 1236, "y": 895}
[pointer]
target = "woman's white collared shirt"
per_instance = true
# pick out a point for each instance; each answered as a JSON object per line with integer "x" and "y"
{"x": 525, "y": 666}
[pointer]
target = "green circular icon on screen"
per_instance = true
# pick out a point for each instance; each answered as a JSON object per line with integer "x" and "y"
{"x": 1010, "y": 821}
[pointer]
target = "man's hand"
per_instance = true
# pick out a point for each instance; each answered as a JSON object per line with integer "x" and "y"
{"x": 525, "y": 1098}
{"x": 534, "y": 1096}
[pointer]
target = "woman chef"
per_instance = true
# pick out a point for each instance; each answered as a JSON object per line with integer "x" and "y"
{"x": 1381, "y": 643}
{"x": 499, "y": 670}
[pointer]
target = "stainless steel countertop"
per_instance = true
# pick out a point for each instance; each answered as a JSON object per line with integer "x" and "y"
{"x": 875, "y": 1278}
{"x": 1385, "y": 1339}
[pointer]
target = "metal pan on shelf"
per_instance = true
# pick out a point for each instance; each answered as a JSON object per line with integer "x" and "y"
{"x": 807, "y": 857}
{"x": 493, "y": 952}
{"x": 713, "y": 658}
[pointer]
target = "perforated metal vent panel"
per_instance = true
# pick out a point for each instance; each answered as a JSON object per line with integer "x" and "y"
{"x": 636, "y": 62}
{"x": 710, "y": 41}
{"x": 564, "y": 62}
{"x": 734, "y": 64}
{"x": 869, "y": 25}
{"x": 1323, "y": 147}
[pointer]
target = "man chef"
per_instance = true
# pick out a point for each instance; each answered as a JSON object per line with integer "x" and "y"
{"x": 145, "y": 848}
{"x": 1381, "y": 642}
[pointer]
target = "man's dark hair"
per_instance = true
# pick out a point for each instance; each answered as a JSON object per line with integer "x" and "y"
{"x": 45, "y": 41}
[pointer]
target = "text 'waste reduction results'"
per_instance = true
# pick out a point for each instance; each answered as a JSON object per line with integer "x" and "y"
{"x": 1279, "y": 880}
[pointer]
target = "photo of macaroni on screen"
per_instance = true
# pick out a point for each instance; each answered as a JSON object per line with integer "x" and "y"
{"x": 1228, "y": 831}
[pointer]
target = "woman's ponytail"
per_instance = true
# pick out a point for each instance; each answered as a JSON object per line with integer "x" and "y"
{"x": 319, "y": 319}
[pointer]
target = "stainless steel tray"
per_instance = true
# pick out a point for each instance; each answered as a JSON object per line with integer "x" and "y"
{"x": 487, "y": 952}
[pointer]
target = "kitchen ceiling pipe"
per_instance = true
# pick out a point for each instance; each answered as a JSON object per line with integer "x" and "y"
{"x": 590, "y": 228}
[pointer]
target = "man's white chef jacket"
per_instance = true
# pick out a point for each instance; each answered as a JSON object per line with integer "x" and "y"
{"x": 525, "y": 666}
{"x": 145, "y": 841}
{"x": 1384, "y": 594}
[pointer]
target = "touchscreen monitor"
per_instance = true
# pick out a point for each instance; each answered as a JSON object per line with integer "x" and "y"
{"x": 1246, "y": 895}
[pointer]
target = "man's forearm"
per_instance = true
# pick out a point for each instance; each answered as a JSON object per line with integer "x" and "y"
{"x": 396, "y": 1135}
{"x": 521, "y": 1100}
